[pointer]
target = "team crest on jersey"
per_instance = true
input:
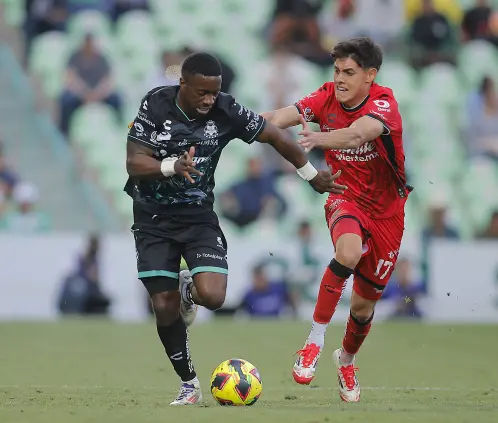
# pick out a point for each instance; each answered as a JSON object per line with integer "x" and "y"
{"x": 211, "y": 130}
{"x": 308, "y": 114}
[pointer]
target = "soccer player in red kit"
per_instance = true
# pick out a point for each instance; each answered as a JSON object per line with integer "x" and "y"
{"x": 361, "y": 133}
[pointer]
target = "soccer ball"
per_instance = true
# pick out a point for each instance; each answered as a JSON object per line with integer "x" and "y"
{"x": 236, "y": 382}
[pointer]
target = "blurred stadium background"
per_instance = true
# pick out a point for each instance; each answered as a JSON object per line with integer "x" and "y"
{"x": 65, "y": 244}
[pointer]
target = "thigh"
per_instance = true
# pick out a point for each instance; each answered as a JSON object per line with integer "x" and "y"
{"x": 338, "y": 209}
{"x": 158, "y": 256}
{"x": 206, "y": 250}
{"x": 379, "y": 259}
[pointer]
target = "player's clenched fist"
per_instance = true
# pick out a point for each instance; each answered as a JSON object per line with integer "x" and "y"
{"x": 185, "y": 165}
{"x": 324, "y": 181}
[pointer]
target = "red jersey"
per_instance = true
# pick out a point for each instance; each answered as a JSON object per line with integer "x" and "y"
{"x": 374, "y": 172}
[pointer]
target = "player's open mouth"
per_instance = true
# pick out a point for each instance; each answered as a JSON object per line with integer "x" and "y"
{"x": 203, "y": 110}
{"x": 341, "y": 89}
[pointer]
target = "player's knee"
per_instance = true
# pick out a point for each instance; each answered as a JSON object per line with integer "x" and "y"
{"x": 166, "y": 307}
{"x": 349, "y": 256}
{"x": 211, "y": 289}
{"x": 214, "y": 300}
{"x": 349, "y": 250}
{"x": 362, "y": 311}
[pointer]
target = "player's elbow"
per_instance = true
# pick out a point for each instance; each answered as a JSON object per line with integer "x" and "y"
{"x": 131, "y": 166}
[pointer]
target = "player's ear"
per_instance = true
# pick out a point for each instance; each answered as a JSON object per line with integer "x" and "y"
{"x": 371, "y": 74}
{"x": 182, "y": 82}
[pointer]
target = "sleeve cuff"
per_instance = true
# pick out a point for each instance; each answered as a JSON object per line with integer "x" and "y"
{"x": 387, "y": 130}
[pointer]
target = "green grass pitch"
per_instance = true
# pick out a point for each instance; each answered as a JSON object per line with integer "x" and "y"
{"x": 86, "y": 371}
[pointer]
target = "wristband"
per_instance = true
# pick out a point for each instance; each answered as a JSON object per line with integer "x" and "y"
{"x": 307, "y": 172}
{"x": 168, "y": 166}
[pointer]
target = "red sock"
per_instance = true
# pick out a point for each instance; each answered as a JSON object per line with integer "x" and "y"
{"x": 331, "y": 289}
{"x": 356, "y": 332}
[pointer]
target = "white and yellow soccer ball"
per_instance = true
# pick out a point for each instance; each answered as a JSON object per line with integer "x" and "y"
{"x": 236, "y": 382}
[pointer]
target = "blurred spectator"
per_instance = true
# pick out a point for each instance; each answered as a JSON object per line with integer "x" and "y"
{"x": 25, "y": 218}
{"x": 482, "y": 132}
{"x": 432, "y": 39}
{"x": 295, "y": 25}
{"x": 43, "y": 16}
{"x": 88, "y": 80}
{"x": 404, "y": 291}
{"x": 267, "y": 298}
{"x": 284, "y": 77}
{"x": 104, "y": 6}
{"x": 437, "y": 227}
{"x": 8, "y": 177}
{"x": 169, "y": 72}
{"x": 368, "y": 14}
{"x": 337, "y": 25}
{"x": 306, "y": 272}
{"x": 476, "y": 20}
{"x": 120, "y": 7}
{"x": 491, "y": 232}
{"x": 449, "y": 8}
{"x": 81, "y": 292}
{"x": 252, "y": 198}
{"x": 170, "y": 69}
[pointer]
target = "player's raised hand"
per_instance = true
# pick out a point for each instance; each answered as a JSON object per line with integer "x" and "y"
{"x": 324, "y": 181}
{"x": 185, "y": 165}
{"x": 311, "y": 139}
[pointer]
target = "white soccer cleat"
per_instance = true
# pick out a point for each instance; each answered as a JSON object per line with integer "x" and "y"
{"x": 304, "y": 368}
{"x": 349, "y": 387}
{"x": 190, "y": 394}
{"x": 188, "y": 310}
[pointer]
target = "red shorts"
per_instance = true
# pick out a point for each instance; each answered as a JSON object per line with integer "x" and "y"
{"x": 381, "y": 242}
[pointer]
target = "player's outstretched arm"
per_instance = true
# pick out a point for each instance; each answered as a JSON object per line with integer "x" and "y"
{"x": 285, "y": 117}
{"x": 141, "y": 165}
{"x": 362, "y": 130}
{"x": 321, "y": 181}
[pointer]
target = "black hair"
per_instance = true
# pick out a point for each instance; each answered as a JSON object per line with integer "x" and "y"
{"x": 201, "y": 63}
{"x": 362, "y": 50}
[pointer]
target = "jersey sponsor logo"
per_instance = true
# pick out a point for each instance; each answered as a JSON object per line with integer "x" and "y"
{"x": 211, "y": 143}
{"x": 383, "y": 105}
{"x": 198, "y": 160}
{"x": 153, "y": 137}
{"x": 166, "y": 125}
{"x": 145, "y": 105}
{"x": 364, "y": 153}
{"x": 211, "y": 130}
{"x": 253, "y": 124}
{"x": 242, "y": 109}
{"x": 164, "y": 136}
{"x": 143, "y": 117}
{"x": 139, "y": 129}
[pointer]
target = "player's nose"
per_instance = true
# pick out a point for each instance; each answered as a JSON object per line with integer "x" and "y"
{"x": 209, "y": 100}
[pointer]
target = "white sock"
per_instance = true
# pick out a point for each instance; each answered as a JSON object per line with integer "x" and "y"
{"x": 346, "y": 358}
{"x": 194, "y": 381}
{"x": 317, "y": 333}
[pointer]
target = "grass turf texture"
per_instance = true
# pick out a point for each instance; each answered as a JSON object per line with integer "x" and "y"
{"x": 96, "y": 371}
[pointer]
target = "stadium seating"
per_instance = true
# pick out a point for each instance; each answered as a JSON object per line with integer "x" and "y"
{"x": 432, "y": 101}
